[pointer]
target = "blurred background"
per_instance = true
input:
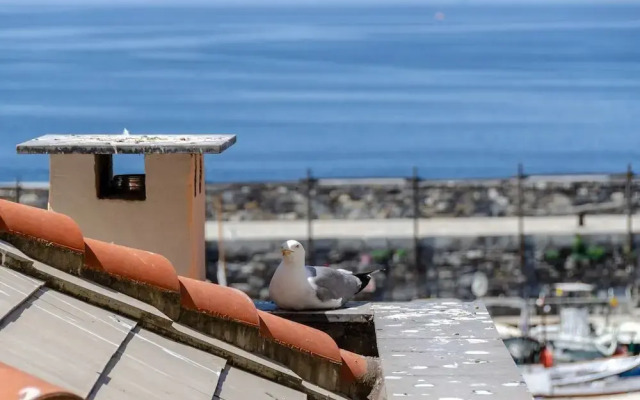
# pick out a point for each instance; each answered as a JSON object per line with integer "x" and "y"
{"x": 479, "y": 149}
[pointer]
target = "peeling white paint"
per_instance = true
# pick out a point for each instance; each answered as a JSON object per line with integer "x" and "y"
{"x": 410, "y": 331}
{"x": 118, "y": 321}
{"x": 419, "y": 367}
{"x": 423, "y": 385}
{"x": 398, "y": 355}
{"x": 405, "y": 315}
{"x": 445, "y": 322}
{"x": 475, "y": 341}
{"x": 465, "y": 318}
{"x": 392, "y": 377}
{"x": 482, "y": 392}
{"x": 382, "y": 307}
{"x": 511, "y": 384}
{"x": 476, "y": 352}
{"x": 454, "y": 365}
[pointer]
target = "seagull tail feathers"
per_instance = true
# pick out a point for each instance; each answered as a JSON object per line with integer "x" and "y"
{"x": 365, "y": 277}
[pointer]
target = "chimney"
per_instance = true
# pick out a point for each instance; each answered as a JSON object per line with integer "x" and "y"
{"x": 161, "y": 210}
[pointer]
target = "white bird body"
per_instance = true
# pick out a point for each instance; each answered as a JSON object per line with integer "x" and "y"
{"x": 296, "y": 286}
{"x": 291, "y": 289}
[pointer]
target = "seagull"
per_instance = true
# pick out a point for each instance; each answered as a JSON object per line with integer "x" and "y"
{"x": 296, "y": 286}
{"x": 125, "y": 132}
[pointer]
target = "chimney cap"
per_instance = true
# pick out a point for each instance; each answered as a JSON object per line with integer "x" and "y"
{"x": 126, "y": 144}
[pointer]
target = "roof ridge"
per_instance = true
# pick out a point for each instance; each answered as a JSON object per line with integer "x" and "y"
{"x": 221, "y": 312}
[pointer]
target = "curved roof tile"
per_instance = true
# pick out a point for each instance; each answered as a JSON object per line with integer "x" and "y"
{"x": 137, "y": 265}
{"x": 299, "y": 337}
{"x": 218, "y": 301}
{"x": 17, "y": 385}
{"x": 354, "y": 366}
{"x": 35, "y": 223}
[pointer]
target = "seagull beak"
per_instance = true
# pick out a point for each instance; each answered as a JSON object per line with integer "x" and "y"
{"x": 286, "y": 252}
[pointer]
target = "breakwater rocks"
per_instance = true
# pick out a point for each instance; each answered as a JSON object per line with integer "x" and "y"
{"x": 32, "y": 195}
{"x": 451, "y": 264}
{"x": 394, "y": 198}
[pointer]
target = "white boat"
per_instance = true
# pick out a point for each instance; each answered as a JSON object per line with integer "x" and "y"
{"x": 600, "y": 377}
{"x": 575, "y": 338}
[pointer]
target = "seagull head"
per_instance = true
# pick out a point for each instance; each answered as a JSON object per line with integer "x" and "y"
{"x": 292, "y": 251}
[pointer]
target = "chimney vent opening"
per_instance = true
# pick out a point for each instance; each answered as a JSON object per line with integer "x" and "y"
{"x": 115, "y": 180}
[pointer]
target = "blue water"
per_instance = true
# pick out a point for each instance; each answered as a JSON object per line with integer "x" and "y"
{"x": 458, "y": 88}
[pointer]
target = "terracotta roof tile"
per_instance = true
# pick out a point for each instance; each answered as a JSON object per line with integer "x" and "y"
{"x": 218, "y": 301}
{"x": 152, "y": 278}
{"x": 299, "y": 337}
{"x": 18, "y": 385}
{"x": 137, "y": 265}
{"x": 354, "y": 366}
{"x": 43, "y": 225}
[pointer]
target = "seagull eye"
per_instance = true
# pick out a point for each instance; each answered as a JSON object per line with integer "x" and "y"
{"x": 297, "y": 246}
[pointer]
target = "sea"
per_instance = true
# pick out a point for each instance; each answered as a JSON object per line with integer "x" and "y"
{"x": 343, "y": 89}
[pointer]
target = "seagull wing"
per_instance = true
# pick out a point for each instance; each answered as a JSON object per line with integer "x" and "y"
{"x": 334, "y": 284}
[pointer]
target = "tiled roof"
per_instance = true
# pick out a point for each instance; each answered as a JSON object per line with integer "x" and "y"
{"x": 221, "y": 313}
{"x": 18, "y": 385}
{"x": 40, "y": 225}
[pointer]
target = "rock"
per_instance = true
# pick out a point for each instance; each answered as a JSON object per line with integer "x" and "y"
{"x": 290, "y": 216}
{"x": 583, "y": 192}
{"x": 256, "y": 282}
{"x": 474, "y": 254}
{"x": 618, "y": 197}
{"x": 30, "y": 199}
{"x": 557, "y": 203}
{"x": 493, "y": 193}
{"x": 246, "y": 269}
{"x": 443, "y": 207}
{"x": 244, "y": 287}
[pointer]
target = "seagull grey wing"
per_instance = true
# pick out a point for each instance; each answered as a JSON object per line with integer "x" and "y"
{"x": 331, "y": 284}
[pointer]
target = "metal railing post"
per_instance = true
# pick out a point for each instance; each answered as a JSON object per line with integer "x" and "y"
{"x": 18, "y": 190}
{"x": 421, "y": 268}
{"x": 629, "y": 195}
{"x": 310, "y": 247}
{"x": 521, "y": 238}
{"x": 632, "y": 260}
